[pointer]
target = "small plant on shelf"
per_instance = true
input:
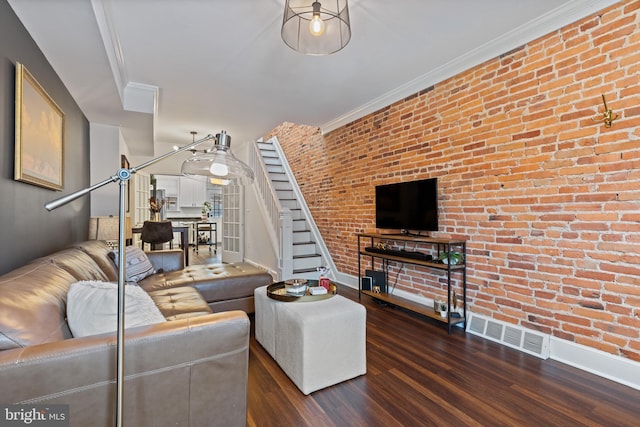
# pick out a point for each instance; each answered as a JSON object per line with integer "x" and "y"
{"x": 206, "y": 208}
{"x": 454, "y": 256}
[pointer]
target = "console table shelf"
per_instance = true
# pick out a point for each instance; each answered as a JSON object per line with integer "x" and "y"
{"x": 432, "y": 264}
{"x": 410, "y": 305}
{"x": 438, "y": 246}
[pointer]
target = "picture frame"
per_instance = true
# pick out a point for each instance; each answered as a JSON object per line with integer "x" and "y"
{"x": 39, "y": 134}
{"x": 124, "y": 164}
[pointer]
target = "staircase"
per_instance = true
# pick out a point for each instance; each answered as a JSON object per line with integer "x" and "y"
{"x": 299, "y": 251}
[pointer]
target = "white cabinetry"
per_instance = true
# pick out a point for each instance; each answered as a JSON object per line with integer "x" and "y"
{"x": 193, "y": 191}
{"x": 169, "y": 183}
{"x": 171, "y": 186}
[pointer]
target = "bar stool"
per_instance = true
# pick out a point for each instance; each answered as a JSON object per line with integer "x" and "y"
{"x": 157, "y": 233}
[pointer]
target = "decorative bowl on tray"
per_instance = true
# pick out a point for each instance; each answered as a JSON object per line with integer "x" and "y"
{"x": 296, "y": 286}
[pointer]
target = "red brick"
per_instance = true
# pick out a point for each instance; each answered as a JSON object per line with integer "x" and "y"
{"x": 546, "y": 197}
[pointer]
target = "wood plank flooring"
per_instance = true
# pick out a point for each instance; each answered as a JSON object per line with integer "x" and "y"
{"x": 418, "y": 375}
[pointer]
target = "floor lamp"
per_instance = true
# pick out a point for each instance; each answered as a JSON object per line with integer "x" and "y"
{"x": 122, "y": 176}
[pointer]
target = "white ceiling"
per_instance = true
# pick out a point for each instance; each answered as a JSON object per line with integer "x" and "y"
{"x": 221, "y": 64}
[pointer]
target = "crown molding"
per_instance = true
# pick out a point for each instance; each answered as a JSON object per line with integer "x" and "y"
{"x": 111, "y": 42}
{"x": 545, "y": 24}
{"x": 135, "y": 97}
{"x": 141, "y": 98}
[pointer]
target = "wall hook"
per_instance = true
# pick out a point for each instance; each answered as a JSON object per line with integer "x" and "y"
{"x": 608, "y": 116}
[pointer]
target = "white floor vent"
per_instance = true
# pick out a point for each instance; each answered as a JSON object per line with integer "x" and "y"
{"x": 514, "y": 336}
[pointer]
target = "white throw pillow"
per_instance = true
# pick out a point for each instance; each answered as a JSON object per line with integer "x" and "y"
{"x": 92, "y": 308}
{"x": 137, "y": 264}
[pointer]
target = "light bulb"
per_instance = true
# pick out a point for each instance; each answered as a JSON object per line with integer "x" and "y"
{"x": 219, "y": 169}
{"x": 316, "y": 25}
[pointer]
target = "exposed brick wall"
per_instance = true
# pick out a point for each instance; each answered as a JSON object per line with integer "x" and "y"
{"x": 548, "y": 199}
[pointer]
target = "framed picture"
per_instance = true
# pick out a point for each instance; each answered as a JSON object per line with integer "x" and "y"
{"x": 124, "y": 164}
{"x": 39, "y": 134}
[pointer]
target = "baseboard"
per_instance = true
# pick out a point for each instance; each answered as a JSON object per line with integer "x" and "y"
{"x": 346, "y": 280}
{"x": 597, "y": 362}
{"x": 273, "y": 274}
{"x": 606, "y": 365}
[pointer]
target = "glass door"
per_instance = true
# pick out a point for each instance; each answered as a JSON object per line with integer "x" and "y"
{"x": 232, "y": 223}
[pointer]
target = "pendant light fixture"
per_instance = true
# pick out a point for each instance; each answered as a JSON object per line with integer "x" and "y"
{"x": 316, "y": 27}
{"x": 219, "y": 162}
{"x": 194, "y": 150}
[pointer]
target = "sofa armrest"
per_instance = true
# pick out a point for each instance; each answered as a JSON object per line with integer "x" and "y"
{"x": 185, "y": 372}
{"x": 167, "y": 260}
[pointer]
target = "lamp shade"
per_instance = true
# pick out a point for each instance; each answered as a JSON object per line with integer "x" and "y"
{"x": 219, "y": 163}
{"x": 316, "y": 27}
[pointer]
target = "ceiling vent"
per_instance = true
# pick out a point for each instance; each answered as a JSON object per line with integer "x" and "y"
{"x": 526, "y": 340}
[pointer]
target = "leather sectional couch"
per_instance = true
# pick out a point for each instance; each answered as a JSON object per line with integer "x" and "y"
{"x": 189, "y": 371}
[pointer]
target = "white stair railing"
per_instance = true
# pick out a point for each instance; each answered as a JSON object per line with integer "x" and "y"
{"x": 286, "y": 244}
{"x": 306, "y": 213}
{"x": 280, "y": 218}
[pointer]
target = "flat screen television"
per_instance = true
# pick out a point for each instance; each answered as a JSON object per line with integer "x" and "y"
{"x": 410, "y": 206}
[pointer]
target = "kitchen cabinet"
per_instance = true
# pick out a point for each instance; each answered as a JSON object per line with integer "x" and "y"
{"x": 193, "y": 191}
{"x": 171, "y": 186}
{"x": 168, "y": 183}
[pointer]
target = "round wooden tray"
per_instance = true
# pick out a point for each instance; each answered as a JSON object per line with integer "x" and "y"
{"x": 278, "y": 292}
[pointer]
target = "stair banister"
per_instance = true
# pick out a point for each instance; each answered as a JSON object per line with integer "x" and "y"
{"x": 286, "y": 246}
{"x": 281, "y": 230}
{"x": 324, "y": 252}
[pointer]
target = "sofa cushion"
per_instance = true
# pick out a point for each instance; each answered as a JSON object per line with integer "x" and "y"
{"x": 32, "y": 307}
{"x": 215, "y": 282}
{"x": 99, "y": 253}
{"x": 78, "y": 264}
{"x": 178, "y": 303}
{"x": 92, "y": 308}
{"x": 137, "y": 264}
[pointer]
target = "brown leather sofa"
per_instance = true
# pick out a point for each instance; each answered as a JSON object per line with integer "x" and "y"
{"x": 189, "y": 371}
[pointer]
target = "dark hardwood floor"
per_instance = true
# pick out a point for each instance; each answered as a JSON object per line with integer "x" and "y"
{"x": 418, "y": 375}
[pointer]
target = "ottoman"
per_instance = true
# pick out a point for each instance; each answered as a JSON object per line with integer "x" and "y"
{"x": 317, "y": 344}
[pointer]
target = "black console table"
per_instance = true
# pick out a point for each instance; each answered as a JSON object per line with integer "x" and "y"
{"x": 369, "y": 248}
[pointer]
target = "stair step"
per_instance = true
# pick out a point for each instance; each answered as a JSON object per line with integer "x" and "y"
{"x": 281, "y": 185}
{"x": 285, "y": 194}
{"x": 299, "y": 225}
{"x": 307, "y": 262}
{"x": 272, "y": 161}
{"x": 304, "y": 248}
{"x": 289, "y": 203}
{"x": 306, "y": 273}
{"x": 301, "y": 236}
{"x": 296, "y": 214}
{"x": 266, "y": 146}
{"x": 276, "y": 169}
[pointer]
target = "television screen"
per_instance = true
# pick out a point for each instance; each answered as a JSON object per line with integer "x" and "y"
{"x": 408, "y": 205}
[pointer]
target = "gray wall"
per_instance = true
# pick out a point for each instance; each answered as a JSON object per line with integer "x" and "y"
{"x": 27, "y": 230}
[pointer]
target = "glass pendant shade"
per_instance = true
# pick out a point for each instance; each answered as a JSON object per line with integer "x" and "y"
{"x": 219, "y": 163}
{"x": 316, "y": 27}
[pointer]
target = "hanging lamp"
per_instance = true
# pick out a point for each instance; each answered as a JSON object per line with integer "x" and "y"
{"x": 316, "y": 28}
{"x": 194, "y": 150}
{"x": 219, "y": 162}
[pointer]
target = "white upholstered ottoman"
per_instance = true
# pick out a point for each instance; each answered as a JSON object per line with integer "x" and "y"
{"x": 317, "y": 344}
